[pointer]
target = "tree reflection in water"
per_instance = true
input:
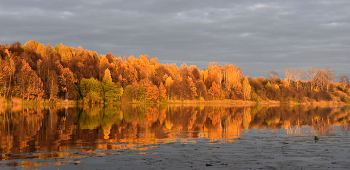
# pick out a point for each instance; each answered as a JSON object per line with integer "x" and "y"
{"x": 40, "y": 132}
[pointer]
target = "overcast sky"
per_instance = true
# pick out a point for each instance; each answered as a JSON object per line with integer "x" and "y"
{"x": 258, "y": 36}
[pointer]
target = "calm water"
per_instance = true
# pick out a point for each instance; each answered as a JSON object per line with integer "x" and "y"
{"x": 54, "y": 134}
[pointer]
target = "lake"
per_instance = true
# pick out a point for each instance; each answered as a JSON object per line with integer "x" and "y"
{"x": 174, "y": 136}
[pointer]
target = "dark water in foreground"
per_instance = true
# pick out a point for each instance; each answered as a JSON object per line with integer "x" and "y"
{"x": 40, "y": 137}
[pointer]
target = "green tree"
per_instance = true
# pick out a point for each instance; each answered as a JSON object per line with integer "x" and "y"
{"x": 141, "y": 93}
{"x": 91, "y": 90}
{"x": 111, "y": 92}
{"x": 130, "y": 93}
{"x": 268, "y": 85}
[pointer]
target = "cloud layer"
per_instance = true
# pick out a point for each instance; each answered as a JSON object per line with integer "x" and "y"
{"x": 258, "y": 36}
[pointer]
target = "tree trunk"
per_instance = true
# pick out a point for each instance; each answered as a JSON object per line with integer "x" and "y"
{"x": 51, "y": 90}
{"x": 297, "y": 85}
{"x": 8, "y": 90}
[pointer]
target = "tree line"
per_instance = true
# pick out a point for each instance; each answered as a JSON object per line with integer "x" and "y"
{"x": 35, "y": 72}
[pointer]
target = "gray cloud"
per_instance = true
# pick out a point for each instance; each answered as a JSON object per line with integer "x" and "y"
{"x": 258, "y": 36}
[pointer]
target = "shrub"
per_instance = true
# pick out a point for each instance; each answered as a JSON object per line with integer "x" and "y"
{"x": 341, "y": 88}
{"x": 344, "y": 99}
{"x": 268, "y": 85}
{"x": 331, "y": 87}
{"x": 275, "y": 87}
{"x": 323, "y": 95}
{"x": 255, "y": 97}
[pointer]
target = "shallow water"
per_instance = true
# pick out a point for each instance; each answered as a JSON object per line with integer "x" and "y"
{"x": 175, "y": 136}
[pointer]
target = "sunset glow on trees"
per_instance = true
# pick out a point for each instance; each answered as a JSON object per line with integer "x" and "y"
{"x": 35, "y": 71}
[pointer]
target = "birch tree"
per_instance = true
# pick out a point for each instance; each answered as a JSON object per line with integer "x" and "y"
{"x": 298, "y": 74}
{"x": 311, "y": 75}
{"x": 344, "y": 81}
{"x": 273, "y": 75}
{"x": 330, "y": 76}
{"x": 289, "y": 73}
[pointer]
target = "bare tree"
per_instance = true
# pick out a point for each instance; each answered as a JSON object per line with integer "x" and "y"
{"x": 289, "y": 73}
{"x": 311, "y": 75}
{"x": 321, "y": 79}
{"x": 273, "y": 75}
{"x": 344, "y": 81}
{"x": 298, "y": 74}
{"x": 330, "y": 76}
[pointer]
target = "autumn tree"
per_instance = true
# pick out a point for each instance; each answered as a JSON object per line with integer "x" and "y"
{"x": 130, "y": 74}
{"x": 230, "y": 76}
{"x": 1, "y": 78}
{"x": 152, "y": 92}
{"x": 168, "y": 84}
{"x": 195, "y": 72}
{"x": 214, "y": 91}
{"x": 66, "y": 53}
{"x": 66, "y": 82}
{"x": 246, "y": 89}
{"x": 185, "y": 83}
{"x": 23, "y": 77}
{"x": 193, "y": 88}
{"x": 52, "y": 85}
{"x": 103, "y": 65}
{"x": 68, "y": 73}
{"x": 29, "y": 83}
{"x": 162, "y": 92}
{"x": 8, "y": 70}
{"x": 201, "y": 89}
{"x": 212, "y": 73}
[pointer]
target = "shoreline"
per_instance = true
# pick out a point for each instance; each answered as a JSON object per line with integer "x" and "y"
{"x": 15, "y": 102}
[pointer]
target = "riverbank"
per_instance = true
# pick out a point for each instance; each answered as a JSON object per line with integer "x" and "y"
{"x": 229, "y": 102}
{"x": 16, "y": 102}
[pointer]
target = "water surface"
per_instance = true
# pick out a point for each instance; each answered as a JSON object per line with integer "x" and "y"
{"x": 65, "y": 137}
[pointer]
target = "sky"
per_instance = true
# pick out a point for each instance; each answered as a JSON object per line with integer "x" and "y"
{"x": 258, "y": 36}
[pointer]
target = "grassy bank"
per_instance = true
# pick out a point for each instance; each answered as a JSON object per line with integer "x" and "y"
{"x": 21, "y": 102}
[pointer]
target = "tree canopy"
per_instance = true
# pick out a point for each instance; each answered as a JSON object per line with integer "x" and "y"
{"x": 35, "y": 71}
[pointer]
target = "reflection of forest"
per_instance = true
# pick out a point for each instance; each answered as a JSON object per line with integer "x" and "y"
{"x": 133, "y": 126}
